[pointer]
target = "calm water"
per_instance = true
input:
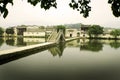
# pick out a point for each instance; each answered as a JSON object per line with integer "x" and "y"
{"x": 75, "y": 60}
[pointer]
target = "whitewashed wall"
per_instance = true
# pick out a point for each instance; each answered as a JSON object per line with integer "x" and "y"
{"x": 71, "y": 31}
{"x": 34, "y": 34}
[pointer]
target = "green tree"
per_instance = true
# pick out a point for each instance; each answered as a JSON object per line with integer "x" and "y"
{"x": 1, "y": 31}
{"x": 61, "y": 27}
{"x": 115, "y": 33}
{"x": 10, "y": 31}
{"x": 95, "y": 30}
{"x": 80, "y": 5}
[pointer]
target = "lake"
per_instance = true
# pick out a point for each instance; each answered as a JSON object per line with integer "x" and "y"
{"x": 80, "y": 59}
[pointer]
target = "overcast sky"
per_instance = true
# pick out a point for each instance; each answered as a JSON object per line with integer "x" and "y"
{"x": 24, "y": 13}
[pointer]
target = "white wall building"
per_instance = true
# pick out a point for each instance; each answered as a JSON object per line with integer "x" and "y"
{"x": 34, "y": 32}
{"x": 72, "y": 33}
{"x": 38, "y": 34}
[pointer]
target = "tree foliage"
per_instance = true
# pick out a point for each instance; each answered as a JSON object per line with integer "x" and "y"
{"x": 60, "y": 27}
{"x": 10, "y": 31}
{"x": 115, "y": 6}
{"x": 80, "y": 5}
{"x": 95, "y": 30}
{"x": 115, "y": 33}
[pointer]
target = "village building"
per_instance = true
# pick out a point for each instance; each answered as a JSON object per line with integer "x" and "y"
{"x": 106, "y": 33}
{"x": 34, "y": 31}
{"x": 72, "y": 33}
{"x": 41, "y": 31}
{"x": 84, "y": 30}
{"x": 79, "y": 31}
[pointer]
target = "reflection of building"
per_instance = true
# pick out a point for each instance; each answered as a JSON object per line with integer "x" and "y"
{"x": 34, "y": 40}
{"x": 74, "y": 43}
{"x": 37, "y": 34}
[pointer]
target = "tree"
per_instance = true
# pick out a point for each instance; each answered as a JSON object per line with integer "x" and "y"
{"x": 1, "y": 31}
{"x": 80, "y": 5}
{"x": 95, "y": 30}
{"x": 115, "y": 33}
{"x": 10, "y": 31}
{"x": 115, "y": 6}
{"x": 60, "y": 27}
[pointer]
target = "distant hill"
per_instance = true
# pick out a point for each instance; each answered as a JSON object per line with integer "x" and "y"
{"x": 77, "y": 25}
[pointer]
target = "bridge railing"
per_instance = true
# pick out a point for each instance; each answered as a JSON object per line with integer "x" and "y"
{"x": 52, "y": 34}
{"x": 55, "y": 36}
{"x": 59, "y": 35}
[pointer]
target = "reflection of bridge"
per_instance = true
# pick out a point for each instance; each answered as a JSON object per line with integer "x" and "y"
{"x": 57, "y": 50}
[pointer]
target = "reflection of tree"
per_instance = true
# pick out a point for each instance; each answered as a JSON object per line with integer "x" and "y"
{"x": 78, "y": 40}
{"x": 115, "y": 44}
{"x": 10, "y": 42}
{"x": 15, "y": 42}
{"x": 57, "y": 50}
{"x": 1, "y": 41}
{"x": 92, "y": 45}
{"x": 20, "y": 42}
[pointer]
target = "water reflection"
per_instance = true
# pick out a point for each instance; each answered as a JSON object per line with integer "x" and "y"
{"x": 71, "y": 66}
{"x": 1, "y": 41}
{"x": 83, "y": 44}
{"x": 74, "y": 43}
{"x": 115, "y": 44}
{"x": 10, "y": 42}
{"x": 57, "y": 50}
{"x": 92, "y": 45}
{"x": 21, "y": 41}
{"x": 10, "y": 57}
